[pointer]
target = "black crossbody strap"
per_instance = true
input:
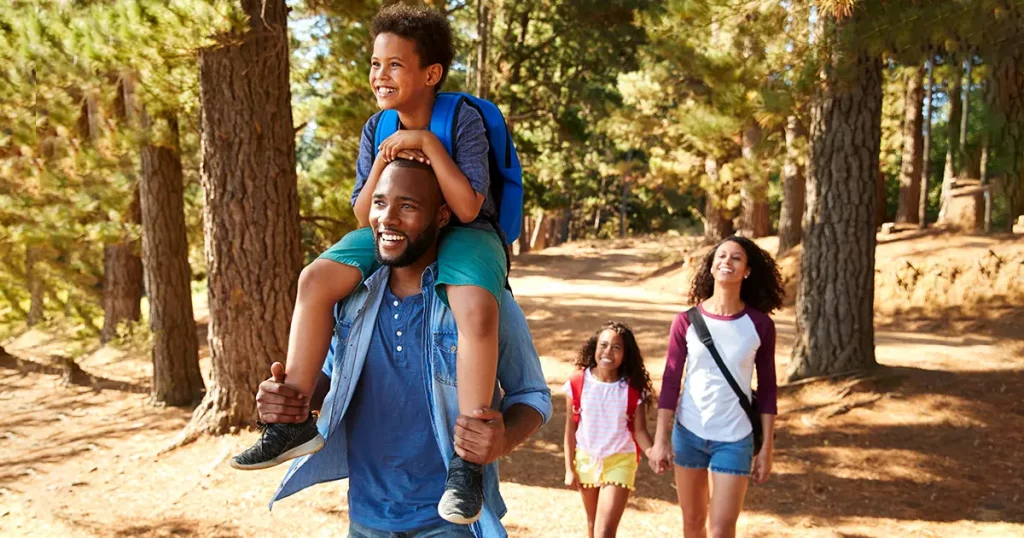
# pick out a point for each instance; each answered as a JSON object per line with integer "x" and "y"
{"x": 697, "y": 320}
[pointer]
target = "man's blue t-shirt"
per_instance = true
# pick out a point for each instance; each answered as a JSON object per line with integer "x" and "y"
{"x": 396, "y": 474}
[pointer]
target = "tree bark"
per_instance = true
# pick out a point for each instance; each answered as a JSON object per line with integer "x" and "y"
{"x": 122, "y": 278}
{"x": 880, "y": 197}
{"x": 913, "y": 154}
{"x": 1006, "y": 129}
{"x": 793, "y": 189}
{"x": 717, "y": 220}
{"x": 176, "y": 376}
{"x": 251, "y": 216}
{"x": 483, "y": 15}
{"x": 926, "y": 158}
{"x": 951, "y": 170}
{"x": 756, "y": 221}
{"x": 964, "y": 158}
{"x": 36, "y": 289}
{"x": 835, "y": 295}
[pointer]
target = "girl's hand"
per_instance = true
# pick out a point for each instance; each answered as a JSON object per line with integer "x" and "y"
{"x": 659, "y": 457}
{"x": 571, "y": 480}
{"x": 762, "y": 465}
{"x": 403, "y": 140}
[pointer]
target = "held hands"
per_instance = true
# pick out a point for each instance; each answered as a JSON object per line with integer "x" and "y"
{"x": 480, "y": 438}
{"x": 659, "y": 457}
{"x": 278, "y": 403}
{"x": 406, "y": 144}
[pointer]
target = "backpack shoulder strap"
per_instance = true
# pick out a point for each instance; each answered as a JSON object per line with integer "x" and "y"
{"x": 443, "y": 119}
{"x": 387, "y": 125}
{"x": 699, "y": 325}
{"x": 631, "y": 405}
{"x": 576, "y": 385}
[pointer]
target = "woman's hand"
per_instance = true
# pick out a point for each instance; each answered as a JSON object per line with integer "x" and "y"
{"x": 659, "y": 456}
{"x": 763, "y": 464}
{"x": 571, "y": 480}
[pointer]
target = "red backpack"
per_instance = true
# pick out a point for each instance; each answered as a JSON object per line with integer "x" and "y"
{"x": 633, "y": 397}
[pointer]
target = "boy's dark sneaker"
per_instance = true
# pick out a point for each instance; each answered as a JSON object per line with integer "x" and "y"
{"x": 463, "y": 493}
{"x": 279, "y": 443}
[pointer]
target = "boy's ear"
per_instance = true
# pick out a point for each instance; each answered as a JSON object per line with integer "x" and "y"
{"x": 434, "y": 74}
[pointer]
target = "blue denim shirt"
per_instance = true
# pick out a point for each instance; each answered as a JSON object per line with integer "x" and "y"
{"x": 520, "y": 379}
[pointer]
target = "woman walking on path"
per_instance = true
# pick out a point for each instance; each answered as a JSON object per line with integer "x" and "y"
{"x": 711, "y": 427}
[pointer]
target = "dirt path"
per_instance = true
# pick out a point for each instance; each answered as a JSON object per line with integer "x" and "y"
{"x": 929, "y": 447}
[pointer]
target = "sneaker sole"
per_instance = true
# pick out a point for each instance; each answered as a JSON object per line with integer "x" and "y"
{"x": 454, "y": 517}
{"x": 309, "y": 447}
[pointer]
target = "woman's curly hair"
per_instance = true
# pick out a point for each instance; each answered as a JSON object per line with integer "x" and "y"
{"x": 632, "y": 368}
{"x": 762, "y": 290}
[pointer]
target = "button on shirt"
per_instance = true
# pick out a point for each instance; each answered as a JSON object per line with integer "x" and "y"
{"x": 396, "y": 471}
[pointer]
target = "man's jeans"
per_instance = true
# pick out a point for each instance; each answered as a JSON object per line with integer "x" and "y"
{"x": 448, "y": 530}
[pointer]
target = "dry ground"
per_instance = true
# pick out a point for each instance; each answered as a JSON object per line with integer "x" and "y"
{"x": 928, "y": 446}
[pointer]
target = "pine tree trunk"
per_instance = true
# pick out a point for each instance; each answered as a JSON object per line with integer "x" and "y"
{"x": 756, "y": 221}
{"x": 1006, "y": 131}
{"x": 963, "y": 163}
{"x": 717, "y": 220}
{"x": 525, "y": 234}
{"x": 913, "y": 154}
{"x": 122, "y": 279}
{"x": 36, "y": 289}
{"x": 951, "y": 170}
{"x": 793, "y": 189}
{"x": 176, "y": 376}
{"x": 483, "y": 15}
{"x": 251, "y": 215}
{"x": 926, "y": 158}
{"x": 835, "y": 296}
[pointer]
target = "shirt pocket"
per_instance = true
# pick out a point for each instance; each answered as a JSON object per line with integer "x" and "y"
{"x": 342, "y": 331}
{"x": 446, "y": 347}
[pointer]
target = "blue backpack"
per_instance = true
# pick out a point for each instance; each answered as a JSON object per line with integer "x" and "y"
{"x": 505, "y": 172}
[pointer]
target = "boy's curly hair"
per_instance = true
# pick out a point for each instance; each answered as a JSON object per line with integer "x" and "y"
{"x": 762, "y": 290}
{"x": 632, "y": 368}
{"x": 426, "y": 27}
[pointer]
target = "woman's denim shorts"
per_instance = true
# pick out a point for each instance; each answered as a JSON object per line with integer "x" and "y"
{"x": 693, "y": 452}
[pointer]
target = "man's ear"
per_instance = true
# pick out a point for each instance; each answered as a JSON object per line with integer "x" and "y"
{"x": 434, "y": 74}
{"x": 444, "y": 216}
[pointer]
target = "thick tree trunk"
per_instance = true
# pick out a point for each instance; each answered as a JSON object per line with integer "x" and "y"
{"x": 793, "y": 189}
{"x": 251, "y": 216}
{"x": 1006, "y": 130}
{"x": 756, "y": 221}
{"x": 913, "y": 154}
{"x": 176, "y": 376}
{"x": 36, "y": 289}
{"x": 835, "y": 296}
{"x": 926, "y": 161}
{"x": 717, "y": 219}
{"x": 951, "y": 170}
{"x": 122, "y": 278}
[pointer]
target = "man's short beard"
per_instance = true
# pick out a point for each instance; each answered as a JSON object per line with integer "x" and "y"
{"x": 413, "y": 252}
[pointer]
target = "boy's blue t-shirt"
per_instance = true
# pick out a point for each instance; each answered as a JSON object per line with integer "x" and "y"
{"x": 471, "y": 148}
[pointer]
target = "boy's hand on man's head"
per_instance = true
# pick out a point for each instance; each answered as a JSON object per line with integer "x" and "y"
{"x": 405, "y": 140}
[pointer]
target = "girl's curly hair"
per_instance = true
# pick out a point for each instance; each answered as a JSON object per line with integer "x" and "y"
{"x": 762, "y": 290}
{"x": 632, "y": 368}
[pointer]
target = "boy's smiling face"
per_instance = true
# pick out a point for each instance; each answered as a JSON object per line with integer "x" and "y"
{"x": 396, "y": 77}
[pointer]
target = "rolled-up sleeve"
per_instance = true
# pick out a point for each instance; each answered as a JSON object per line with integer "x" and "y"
{"x": 519, "y": 371}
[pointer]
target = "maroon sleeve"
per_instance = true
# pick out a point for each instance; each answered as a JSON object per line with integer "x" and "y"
{"x": 674, "y": 362}
{"x": 764, "y": 363}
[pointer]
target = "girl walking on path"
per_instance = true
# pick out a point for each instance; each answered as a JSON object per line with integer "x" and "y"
{"x": 606, "y": 425}
{"x": 711, "y": 428}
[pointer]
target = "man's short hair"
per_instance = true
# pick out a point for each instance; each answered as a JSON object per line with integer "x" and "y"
{"x": 426, "y": 27}
{"x": 415, "y": 165}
